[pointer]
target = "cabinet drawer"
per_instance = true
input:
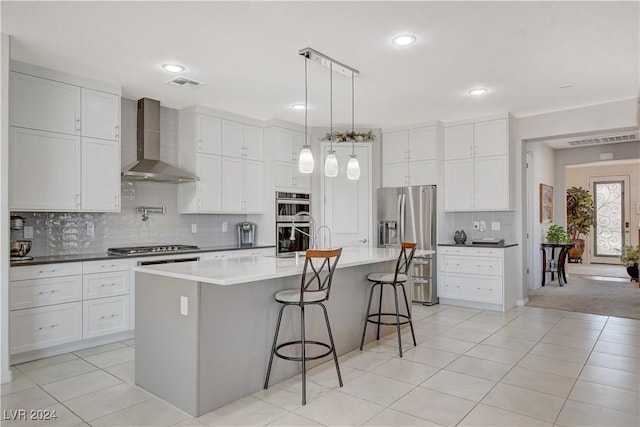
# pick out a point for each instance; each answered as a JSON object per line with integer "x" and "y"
{"x": 470, "y": 251}
{"x": 40, "y": 292}
{"x": 41, "y": 327}
{"x": 472, "y": 288}
{"x": 105, "y": 316}
{"x": 105, "y": 266}
{"x": 471, "y": 265}
{"x": 45, "y": 270}
{"x": 105, "y": 284}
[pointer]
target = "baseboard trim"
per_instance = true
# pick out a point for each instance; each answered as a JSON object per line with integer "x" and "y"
{"x": 6, "y": 377}
{"x": 522, "y": 302}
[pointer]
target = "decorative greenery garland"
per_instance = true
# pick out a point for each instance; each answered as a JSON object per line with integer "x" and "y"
{"x": 350, "y": 136}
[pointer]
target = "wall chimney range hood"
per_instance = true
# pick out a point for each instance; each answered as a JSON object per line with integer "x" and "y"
{"x": 149, "y": 167}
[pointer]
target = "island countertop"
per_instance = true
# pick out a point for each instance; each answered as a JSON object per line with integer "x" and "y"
{"x": 244, "y": 269}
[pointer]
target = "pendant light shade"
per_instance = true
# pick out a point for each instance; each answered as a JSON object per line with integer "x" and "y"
{"x": 305, "y": 161}
{"x": 331, "y": 165}
{"x": 353, "y": 168}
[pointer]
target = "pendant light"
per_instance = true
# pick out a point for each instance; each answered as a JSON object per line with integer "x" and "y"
{"x": 305, "y": 161}
{"x": 353, "y": 167}
{"x": 331, "y": 162}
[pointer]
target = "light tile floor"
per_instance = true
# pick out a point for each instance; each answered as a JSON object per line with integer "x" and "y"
{"x": 527, "y": 367}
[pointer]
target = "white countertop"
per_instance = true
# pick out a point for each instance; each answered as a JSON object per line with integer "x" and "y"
{"x": 244, "y": 269}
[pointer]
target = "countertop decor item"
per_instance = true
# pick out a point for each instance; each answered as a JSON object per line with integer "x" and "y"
{"x": 460, "y": 237}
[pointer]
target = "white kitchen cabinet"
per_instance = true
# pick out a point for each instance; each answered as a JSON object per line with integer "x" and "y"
{"x": 477, "y": 277}
{"x": 44, "y": 104}
{"x": 45, "y": 171}
{"x": 208, "y": 134}
{"x": 205, "y": 195}
{"x": 65, "y": 173}
{"x": 287, "y": 175}
{"x": 410, "y": 157}
{"x": 242, "y": 140}
{"x": 477, "y": 166}
{"x": 43, "y": 271}
{"x": 242, "y": 186}
{"x": 100, "y": 185}
{"x": 283, "y": 146}
{"x": 100, "y": 115}
{"x": 41, "y": 327}
{"x": 287, "y": 145}
{"x": 104, "y": 316}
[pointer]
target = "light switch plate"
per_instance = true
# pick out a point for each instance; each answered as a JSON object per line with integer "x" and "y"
{"x": 225, "y": 226}
{"x": 495, "y": 225}
{"x": 91, "y": 228}
{"x": 184, "y": 306}
{"x": 194, "y": 228}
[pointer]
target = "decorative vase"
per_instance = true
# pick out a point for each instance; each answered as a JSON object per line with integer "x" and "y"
{"x": 633, "y": 272}
{"x": 459, "y": 237}
{"x": 575, "y": 253}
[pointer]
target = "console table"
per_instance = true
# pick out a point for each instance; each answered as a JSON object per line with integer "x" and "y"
{"x": 555, "y": 266}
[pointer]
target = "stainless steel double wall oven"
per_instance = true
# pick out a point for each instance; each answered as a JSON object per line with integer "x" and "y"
{"x": 293, "y": 222}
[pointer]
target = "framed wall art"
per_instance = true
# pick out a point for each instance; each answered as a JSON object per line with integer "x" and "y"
{"x": 546, "y": 203}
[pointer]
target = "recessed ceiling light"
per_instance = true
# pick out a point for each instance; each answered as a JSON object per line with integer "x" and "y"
{"x": 298, "y": 107}
{"x": 477, "y": 92}
{"x": 173, "y": 68}
{"x": 565, "y": 86}
{"x": 403, "y": 40}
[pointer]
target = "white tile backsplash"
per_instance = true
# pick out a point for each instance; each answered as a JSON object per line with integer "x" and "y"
{"x": 464, "y": 221}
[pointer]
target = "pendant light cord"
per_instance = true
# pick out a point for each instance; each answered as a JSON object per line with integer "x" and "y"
{"x": 353, "y": 135}
{"x": 306, "y": 100}
{"x": 331, "y": 105}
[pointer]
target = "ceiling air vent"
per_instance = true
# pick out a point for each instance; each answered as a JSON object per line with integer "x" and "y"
{"x": 612, "y": 139}
{"x": 184, "y": 82}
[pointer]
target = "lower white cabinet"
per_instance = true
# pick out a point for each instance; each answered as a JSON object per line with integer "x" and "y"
{"x": 41, "y": 292}
{"x": 477, "y": 277}
{"x": 36, "y": 328}
{"x": 105, "y": 316}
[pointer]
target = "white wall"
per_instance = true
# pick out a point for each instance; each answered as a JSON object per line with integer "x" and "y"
{"x": 542, "y": 173}
{"x": 5, "y": 372}
{"x": 611, "y": 115}
{"x": 579, "y": 177}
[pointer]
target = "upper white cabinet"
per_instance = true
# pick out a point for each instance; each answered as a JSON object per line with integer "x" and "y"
{"x": 100, "y": 115}
{"x": 44, "y": 104}
{"x": 477, "y": 166}
{"x": 410, "y": 156}
{"x": 242, "y": 140}
{"x": 286, "y": 145}
{"x": 226, "y": 155}
{"x": 67, "y": 137}
{"x": 45, "y": 170}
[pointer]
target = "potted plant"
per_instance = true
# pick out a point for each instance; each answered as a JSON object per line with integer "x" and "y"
{"x": 556, "y": 234}
{"x": 629, "y": 259}
{"x": 580, "y": 218}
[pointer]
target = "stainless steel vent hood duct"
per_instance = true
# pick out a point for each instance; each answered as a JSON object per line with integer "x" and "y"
{"x": 149, "y": 167}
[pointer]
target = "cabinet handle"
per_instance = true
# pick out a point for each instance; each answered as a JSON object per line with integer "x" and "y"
{"x": 199, "y": 203}
{"x": 117, "y": 201}
{"x": 108, "y": 316}
{"x": 117, "y": 134}
{"x": 49, "y": 292}
{"x": 77, "y": 201}
{"x": 48, "y": 271}
{"x": 104, "y": 285}
{"x": 78, "y": 127}
{"x": 50, "y": 326}
{"x": 107, "y": 266}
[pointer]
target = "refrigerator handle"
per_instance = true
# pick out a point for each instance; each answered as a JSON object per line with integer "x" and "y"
{"x": 401, "y": 217}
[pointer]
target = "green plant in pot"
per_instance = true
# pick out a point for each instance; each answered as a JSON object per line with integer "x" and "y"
{"x": 629, "y": 258}
{"x": 581, "y": 217}
{"x": 556, "y": 234}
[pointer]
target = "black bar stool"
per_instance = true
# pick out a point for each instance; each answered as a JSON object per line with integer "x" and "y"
{"x": 315, "y": 285}
{"x": 395, "y": 280}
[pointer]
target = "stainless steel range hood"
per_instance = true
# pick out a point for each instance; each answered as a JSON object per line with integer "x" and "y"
{"x": 149, "y": 167}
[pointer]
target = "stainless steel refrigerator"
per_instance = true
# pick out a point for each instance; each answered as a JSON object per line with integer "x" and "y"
{"x": 408, "y": 214}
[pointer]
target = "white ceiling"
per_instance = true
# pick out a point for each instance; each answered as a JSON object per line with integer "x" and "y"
{"x": 247, "y": 53}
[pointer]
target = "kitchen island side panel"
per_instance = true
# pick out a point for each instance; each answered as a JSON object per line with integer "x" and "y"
{"x": 166, "y": 341}
{"x": 238, "y": 323}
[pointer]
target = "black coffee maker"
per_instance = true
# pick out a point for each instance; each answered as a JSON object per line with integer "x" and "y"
{"x": 246, "y": 234}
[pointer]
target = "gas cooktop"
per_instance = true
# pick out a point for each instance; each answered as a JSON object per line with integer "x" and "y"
{"x": 140, "y": 250}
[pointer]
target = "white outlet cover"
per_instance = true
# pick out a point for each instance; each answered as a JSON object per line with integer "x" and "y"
{"x": 184, "y": 306}
{"x": 495, "y": 225}
{"x": 225, "y": 226}
{"x": 194, "y": 228}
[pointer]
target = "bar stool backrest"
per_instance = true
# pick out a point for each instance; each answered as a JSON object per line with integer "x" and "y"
{"x": 317, "y": 274}
{"x": 405, "y": 259}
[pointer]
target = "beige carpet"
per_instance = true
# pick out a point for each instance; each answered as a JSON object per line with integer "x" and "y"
{"x": 608, "y": 270}
{"x": 614, "y": 297}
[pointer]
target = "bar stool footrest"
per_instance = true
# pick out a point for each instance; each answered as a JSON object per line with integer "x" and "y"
{"x": 299, "y": 342}
{"x": 394, "y": 323}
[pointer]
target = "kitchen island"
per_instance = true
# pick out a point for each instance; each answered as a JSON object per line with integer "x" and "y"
{"x": 204, "y": 329}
